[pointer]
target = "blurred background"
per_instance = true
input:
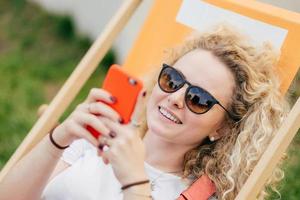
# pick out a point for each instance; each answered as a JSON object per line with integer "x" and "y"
{"x": 42, "y": 41}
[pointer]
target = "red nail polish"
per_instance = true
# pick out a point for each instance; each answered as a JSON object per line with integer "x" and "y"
{"x": 121, "y": 121}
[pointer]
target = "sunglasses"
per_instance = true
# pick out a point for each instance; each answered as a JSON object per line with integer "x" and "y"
{"x": 197, "y": 99}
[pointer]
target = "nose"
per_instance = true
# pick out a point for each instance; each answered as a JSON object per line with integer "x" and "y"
{"x": 177, "y": 98}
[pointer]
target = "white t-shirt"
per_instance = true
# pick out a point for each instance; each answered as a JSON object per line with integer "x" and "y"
{"x": 88, "y": 178}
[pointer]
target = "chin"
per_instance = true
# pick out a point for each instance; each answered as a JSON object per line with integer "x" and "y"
{"x": 158, "y": 129}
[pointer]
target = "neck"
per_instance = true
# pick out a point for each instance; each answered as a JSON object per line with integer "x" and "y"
{"x": 164, "y": 155}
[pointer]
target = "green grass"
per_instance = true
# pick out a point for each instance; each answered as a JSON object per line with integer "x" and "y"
{"x": 38, "y": 52}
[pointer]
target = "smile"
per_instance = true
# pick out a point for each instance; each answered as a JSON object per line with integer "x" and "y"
{"x": 169, "y": 115}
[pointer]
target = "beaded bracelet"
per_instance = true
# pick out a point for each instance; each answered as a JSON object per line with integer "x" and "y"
{"x": 135, "y": 183}
{"x": 54, "y": 143}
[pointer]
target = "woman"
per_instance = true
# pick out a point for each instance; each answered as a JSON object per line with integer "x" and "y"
{"x": 211, "y": 109}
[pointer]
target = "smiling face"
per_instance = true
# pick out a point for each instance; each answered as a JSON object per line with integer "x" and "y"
{"x": 201, "y": 68}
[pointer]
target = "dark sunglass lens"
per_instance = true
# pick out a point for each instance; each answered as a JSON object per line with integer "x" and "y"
{"x": 170, "y": 80}
{"x": 198, "y": 100}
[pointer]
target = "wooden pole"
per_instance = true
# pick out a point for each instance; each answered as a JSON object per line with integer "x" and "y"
{"x": 272, "y": 155}
{"x": 75, "y": 82}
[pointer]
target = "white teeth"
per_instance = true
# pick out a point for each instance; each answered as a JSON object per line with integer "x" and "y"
{"x": 169, "y": 115}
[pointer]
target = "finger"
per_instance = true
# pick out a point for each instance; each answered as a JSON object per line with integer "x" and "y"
{"x": 104, "y": 153}
{"x": 114, "y": 127}
{"x": 91, "y": 120}
{"x": 83, "y": 133}
{"x": 101, "y": 154}
{"x": 105, "y": 158}
{"x": 123, "y": 132}
{"x": 98, "y": 94}
{"x": 104, "y": 110}
{"x": 106, "y": 161}
{"x": 104, "y": 141}
{"x": 104, "y": 148}
{"x": 140, "y": 104}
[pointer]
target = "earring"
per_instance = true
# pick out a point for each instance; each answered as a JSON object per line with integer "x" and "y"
{"x": 212, "y": 138}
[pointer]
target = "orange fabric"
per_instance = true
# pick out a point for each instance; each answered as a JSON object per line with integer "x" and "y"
{"x": 161, "y": 31}
{"x": 202, "y": 189}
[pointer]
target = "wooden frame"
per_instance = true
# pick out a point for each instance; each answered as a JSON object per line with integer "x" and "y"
{"x": 272, "y": 155}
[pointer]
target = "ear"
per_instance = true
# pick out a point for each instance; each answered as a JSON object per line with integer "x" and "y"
{"x": 222, "y": 130}
{"x": 214, "y": 136}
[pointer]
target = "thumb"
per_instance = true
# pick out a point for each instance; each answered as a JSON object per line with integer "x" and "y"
{"x": 140, "y": 104}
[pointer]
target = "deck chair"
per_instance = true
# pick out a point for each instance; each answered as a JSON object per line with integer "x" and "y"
{"x": 166, "y": 25}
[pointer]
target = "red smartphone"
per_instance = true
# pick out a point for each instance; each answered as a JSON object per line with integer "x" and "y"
{"x": 125, "y": 88}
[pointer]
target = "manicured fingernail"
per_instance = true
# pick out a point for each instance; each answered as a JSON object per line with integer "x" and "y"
{"x": 99, "y": 152}
{"x": 101, "y": 147}
{"x": 121, "y": 121}
{"x": 113, "y": 99}
{"x": 144, "y": 93}
{"x": 112, "y": 134}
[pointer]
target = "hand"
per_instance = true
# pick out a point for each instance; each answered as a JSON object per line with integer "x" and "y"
{"x": 85, "y": 114}
{"x": 126, "y": 151}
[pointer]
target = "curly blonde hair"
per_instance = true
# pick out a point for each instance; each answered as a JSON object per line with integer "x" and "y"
{"x": 256, "y": 102}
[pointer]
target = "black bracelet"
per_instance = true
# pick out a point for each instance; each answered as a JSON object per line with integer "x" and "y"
{"x": 54, "y": 143}
{"x": 135, "y": 183}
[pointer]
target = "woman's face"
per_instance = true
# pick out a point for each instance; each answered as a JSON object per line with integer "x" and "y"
{"x": 203, "y": 69}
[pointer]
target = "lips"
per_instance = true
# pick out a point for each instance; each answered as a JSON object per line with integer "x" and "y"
{"x": 169, "y": 115}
